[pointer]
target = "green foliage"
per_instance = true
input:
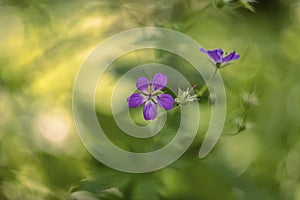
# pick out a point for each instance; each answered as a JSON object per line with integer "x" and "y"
{"x": 42, "y": 46}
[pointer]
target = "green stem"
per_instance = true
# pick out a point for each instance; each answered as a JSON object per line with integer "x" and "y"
{"x": 205, "y": 87}
{"x": 171, "y": 111}
{"x": 202, "y": 91}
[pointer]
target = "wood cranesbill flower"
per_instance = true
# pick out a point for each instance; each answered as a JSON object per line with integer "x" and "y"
{"x": 218, "y": 58}
{"x": 150, "y": 95}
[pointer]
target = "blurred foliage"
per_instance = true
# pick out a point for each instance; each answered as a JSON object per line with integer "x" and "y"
{"x": 42, "y": 45}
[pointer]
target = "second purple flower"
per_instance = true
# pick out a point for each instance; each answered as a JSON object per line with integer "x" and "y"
{"x": 150, "y": 95}
{"x": 218, "y": 58}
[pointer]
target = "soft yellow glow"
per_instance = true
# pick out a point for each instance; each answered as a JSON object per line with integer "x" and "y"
{"x": 92, "y": 22}
{"x": 11, "y": 34}
{"x": 54, "y": 126}
{"x": 104, "y": 93}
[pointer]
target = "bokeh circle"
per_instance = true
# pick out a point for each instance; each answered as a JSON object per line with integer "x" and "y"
{"x": 120, "y": 109}
{"x": 90, "y": 131}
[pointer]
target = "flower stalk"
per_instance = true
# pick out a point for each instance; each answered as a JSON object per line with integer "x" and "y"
{"x": 149, "y": 94}
{"x": 205, "y": 87}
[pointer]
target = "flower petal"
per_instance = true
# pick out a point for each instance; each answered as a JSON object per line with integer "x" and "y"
{"x": 236, "y": 56}
{"x": 165, "y": 101}
{"x": 143, "y": 84}
{"x": 230, "y": 57}
{"x": 135, "y": 100}
{"x": 159, "y": 81}
{"x": 150, "y": 110}
{"x": 216, "y": 55}
{"x": 203, "y": 50}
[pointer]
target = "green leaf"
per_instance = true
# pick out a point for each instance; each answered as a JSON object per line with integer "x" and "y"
{"x": 83, "y": 195}
{"x": 148, "y": 188}
{"x": 246, "y": 5}
{"x": 104, "y": 181}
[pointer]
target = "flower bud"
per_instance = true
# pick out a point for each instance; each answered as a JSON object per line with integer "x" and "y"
{"x": 250, "y": 99}
{"x": 184, "y": 97}
{"x": 212, "y": 98}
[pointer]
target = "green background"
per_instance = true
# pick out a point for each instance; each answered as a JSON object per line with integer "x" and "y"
{"x": 42, "y": 46}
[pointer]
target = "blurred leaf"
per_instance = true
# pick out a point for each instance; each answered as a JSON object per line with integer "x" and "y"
{"x": 103, "y": 181}
{"x": 235, "y": 4}
{"x": 60, "y": 172}
{"x": 246, "y": 4}
{"x": 83, "y": 195}
{"x": 111, "y": 194}
{"x": 147, "y": 187}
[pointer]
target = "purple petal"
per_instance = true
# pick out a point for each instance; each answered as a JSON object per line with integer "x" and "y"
{"x": 165, "y": 101}
{"x": 216, "y": 55}
{"x": 150, "y": 110}
{"x": 143, "y": 84}
{"x": 236, "y": 56}
{"x": 135, "y": 100}
{"x": 230, "y": 57}
{"x": 203, "y": 50}
{"x": 159, "y": 81}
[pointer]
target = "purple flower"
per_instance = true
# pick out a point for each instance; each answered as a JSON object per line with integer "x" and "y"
{"x": 150, "y": 95}
{"x": 218, "y": 58}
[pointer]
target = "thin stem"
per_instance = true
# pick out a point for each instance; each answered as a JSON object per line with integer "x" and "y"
{"x": 202, "y": 91}
{"x": 192, "y": 88}
{"x": 174, "y": 109}
{"x": 205, "y": 87}
{"x": 171, "y": 111}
